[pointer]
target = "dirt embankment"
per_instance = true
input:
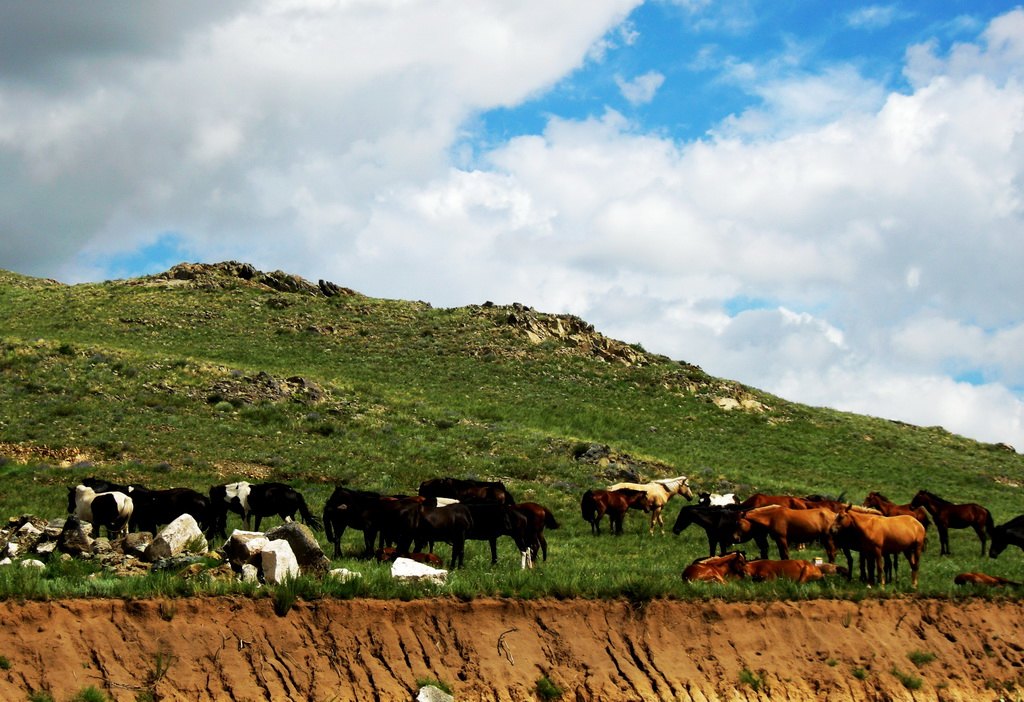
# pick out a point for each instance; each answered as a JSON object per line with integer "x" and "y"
{"x": 238, "y": 649}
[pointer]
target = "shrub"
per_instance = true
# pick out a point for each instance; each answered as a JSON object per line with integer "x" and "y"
{"x": 548, "y": 690}
{"x": 749, "y": 678}
{"x": 911, "y": 682}
{"x": 90, "y": 694}
{"x": 921, "y": 658}
{"x": 5, "y": 664}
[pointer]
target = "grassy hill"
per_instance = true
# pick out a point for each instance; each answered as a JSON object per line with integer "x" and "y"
{"x": 206, "y": 374}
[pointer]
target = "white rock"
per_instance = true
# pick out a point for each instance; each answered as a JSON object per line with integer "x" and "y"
{"x": 250, "y": 573}
{"x": 279, "y": 562}
{"x": 432, "y": 693}
{"x": 45, "y": 547}
{"x": 175, "y": 537}
{"x": 408, "y": 569}
{"x": 32, "y": 563}
{"x": 30, "y": 529}
{"x": 344, "y": 574}
{"x": 6, "y": 561}
{"x": 11, "y": 550}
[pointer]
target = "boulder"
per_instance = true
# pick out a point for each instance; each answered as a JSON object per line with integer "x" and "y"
{"x": 183, "y": 534}
{"x": 304, "y": 545}
{"x": 136, "y": 543}
{"x": 344, "y": 574}
{"x": 74, "y": 538}
{"x": 243, "y": 547}
{"x": 408, "y": 569}
{"x": 279, "y": 563}
{"x": 250, "y": 574}
{"x": 432, "y": 693}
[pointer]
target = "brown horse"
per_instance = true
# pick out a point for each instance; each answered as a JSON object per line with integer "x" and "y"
{"x": 596, "y": 503}
{"x": 784, "y": 524}
{"x": 883, "y": 504}
{"x": 876, "y": 535}
{"x": 948, "y": 515}
{"x": 798, "y": 571}
{"x": 759, "y": 499}
{"x": 715, "y": 569}
{"x": 983, "y": 579}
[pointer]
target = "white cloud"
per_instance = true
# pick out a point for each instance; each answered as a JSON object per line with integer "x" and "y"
{"x": 641, "y": 89}
{"x": 874, "y": 16}
{"x": 314, "y": 137}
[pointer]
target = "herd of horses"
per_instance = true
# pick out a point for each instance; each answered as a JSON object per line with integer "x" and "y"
{"x": 454, "y": 511}
{"x": 446, "y": 510}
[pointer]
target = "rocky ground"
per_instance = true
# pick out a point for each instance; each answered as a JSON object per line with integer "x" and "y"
{"x": 238, "y": 649}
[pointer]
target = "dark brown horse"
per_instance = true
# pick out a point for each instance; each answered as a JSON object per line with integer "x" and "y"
{"x": 948, "y": 515}
{"x": 876, "y": 535}
{"x": 715, "y": 569}
{"x": 883, "y": 504}
{"x": 596, "y": 503}
{"x": 1009, "y": 534}
{"x": 537, "y": 518}
{"x": 467, "y": 490}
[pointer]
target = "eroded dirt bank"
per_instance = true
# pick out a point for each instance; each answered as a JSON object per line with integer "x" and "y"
{"x": 238, "y": 649}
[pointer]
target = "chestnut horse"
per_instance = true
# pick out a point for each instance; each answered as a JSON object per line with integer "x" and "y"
{"x": 784, "y": 524}
{"x": 659, "y": 492}
{"x": 759, "y": 499}
{"x": 876, "y": 535}
{"x": 983, "y": 579}
{"x": 596, "y": 503}
{"x": 883, "y": 504}
{"x": 948, "y": 515}
{"x": 795, "y": 570}
{"x": 715, "y": 569}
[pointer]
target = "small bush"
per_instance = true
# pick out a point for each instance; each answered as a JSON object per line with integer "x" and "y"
{"x": 921, "y": 658}
{"x": 548, "y": 690}
{"x": 749, "y": 678}
{"x": 90, "y": 694}
{"x": 911, "y": 682}
{"x": 40, "y": 696}
{"x": 860, "y": 673}
{"x": 5, "y": 664}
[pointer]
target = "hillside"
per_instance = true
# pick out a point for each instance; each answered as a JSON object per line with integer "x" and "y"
{"x": 209, "y": 373}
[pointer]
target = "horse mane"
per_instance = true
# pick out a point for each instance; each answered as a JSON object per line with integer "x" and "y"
{"x": 935, "y": 497}
{"x": 865, "y": 510}
{"x": 718, "y": 559}
{"x": 668, "y": 481}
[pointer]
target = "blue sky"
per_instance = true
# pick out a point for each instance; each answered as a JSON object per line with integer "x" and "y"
{"x": 823, "y": 200}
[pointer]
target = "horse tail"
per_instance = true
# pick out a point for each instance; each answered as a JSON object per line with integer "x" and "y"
{"x": 307, "y": 516}
{"x": 328, "y": 523}
{"x": 588, "y": 506}
{"x": 549, "y": 519}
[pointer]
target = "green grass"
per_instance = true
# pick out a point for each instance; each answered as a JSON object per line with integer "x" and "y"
{"x": 142, "y": 381}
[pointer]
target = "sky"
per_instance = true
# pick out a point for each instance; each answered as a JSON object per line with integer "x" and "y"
{"x": 822, "y": 200}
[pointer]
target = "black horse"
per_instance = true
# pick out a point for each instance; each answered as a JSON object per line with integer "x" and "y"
{"x": 156, "y": 507}
{"x": 719, "y": 523}
{"x": 257, "y": 500}
{"x": 356, "y": 509}
{"x": 1009, "y": 534}
{"x": 421, "y": 524}
{"x": 467, "y": 490}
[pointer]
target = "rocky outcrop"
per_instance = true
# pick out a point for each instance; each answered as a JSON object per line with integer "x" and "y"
{"x": 228, "y": 273}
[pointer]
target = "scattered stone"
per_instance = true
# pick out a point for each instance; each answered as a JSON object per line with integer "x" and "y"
{"x": 306, "y": 548}
{"x": 344, "y": 574}
{"x": 244, "y": 547}
{"x": 44, "y": 548}
{"x": 136, "y": 543}
{"x": 32, "y": 563}
{"x": 180, "y": 535}
{"x": 279, "y": 562}
{"x": 432, "y": 693}
{"x": 250, "y": 574}
{"x": 408, "y": 569}
{"x": 74, "y": 538}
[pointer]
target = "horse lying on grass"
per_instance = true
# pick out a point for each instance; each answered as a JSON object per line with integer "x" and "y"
{"x": 716, "y": 569}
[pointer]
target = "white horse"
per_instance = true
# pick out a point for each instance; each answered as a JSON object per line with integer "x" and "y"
{"x": 659, "y": 492}
{"x": 110, "y": 509}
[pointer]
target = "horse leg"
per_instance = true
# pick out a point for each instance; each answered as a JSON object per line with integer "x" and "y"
{"x": 494, "y": 550}
{"x": 943, "y": 540}
{"x": 980, "y": 531}
{"x": 783, "y": 545}
{"x": 879, "y": 566}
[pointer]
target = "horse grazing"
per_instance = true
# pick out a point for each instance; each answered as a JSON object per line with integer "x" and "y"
{"x": 596, "y": 503}
{"x": 155, "y": 507}
{"x": 713, "y": 499}
{"x": 948, "y": 515}
{"x": 983, "y": 579}
{"x": 719, "y": 523}
{"x": 467, "y": 490}
{"x": 104, "y": 485}
{"x": 876, "y": 535}
{"x": 1009, "y": 534}
{"x": 795, "y": 570}
{"x": 426, "y": 524}
{"x": 883, "y": 504}
{"x": 112, "y": 510}
{"x": 715, "y": 569}
{"x": 232, "y": 497}
{"x": 358, "y": 509}
{"x": 537, "y": 518}
{"x": 784, "y": 524}
{"x": 659, "y": 492}
{"x": 270, "y": 499}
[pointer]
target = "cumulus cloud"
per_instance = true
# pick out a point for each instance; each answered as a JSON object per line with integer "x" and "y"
{"x": 641, "y": 89}
{"x": 838, "y": 243}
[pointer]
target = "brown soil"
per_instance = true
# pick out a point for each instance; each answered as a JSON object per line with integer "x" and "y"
{"x": 238, "y": 649}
